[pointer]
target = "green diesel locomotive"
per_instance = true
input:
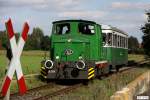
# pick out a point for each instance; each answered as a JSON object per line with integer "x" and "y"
{"x": 81, "y": 49}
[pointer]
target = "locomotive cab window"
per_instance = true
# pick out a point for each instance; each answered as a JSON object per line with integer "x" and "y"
{"x": 62, "y": 29}
{"x": 86, "y": 28}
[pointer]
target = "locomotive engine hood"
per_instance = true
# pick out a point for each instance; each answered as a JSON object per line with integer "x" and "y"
{"x": 71, "y": 49}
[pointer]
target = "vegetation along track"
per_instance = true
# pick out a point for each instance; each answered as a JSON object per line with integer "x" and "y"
{"x": 52, "y": 89}
{"x": 67, "y": 89}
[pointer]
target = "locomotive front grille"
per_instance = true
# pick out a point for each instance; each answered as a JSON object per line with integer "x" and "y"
{"x": 69, "y": 70}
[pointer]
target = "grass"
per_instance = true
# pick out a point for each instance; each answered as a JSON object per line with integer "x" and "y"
{"x": 136, "y": 58}
{"x": 30, "y": 62}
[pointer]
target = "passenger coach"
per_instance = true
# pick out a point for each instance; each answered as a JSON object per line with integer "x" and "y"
{"x": 115, "y": 46}
{"x": 81, "y": 49}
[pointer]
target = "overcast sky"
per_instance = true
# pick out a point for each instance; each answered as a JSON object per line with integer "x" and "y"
{"x": 128, "y": 15}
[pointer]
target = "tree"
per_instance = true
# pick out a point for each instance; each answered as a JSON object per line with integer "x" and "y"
{"x": 3, "y": 38}
{"x": 133, "y": 44}
{"x": 36, "y": 38}
{"x": 146, "y": 37}
{"x": 45, "y": 44}
{"x": 29, "y": 45}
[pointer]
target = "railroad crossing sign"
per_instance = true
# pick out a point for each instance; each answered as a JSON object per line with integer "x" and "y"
{"x": 15, "y": 64}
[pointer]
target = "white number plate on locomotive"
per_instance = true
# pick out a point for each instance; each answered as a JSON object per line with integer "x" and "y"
{"x": 51, "y": 71}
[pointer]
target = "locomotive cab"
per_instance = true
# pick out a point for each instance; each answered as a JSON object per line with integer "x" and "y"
{"x": 74, "y": 48}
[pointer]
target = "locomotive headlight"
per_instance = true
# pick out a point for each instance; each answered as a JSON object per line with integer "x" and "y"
{"x": 57, "y": 57}
{"x": 80, "y": 57}
{"x": 49, "y": 64}
{"x": 80, "y": 64}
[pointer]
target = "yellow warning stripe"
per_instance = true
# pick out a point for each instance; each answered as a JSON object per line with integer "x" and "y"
{"x": 91, "y": 76}
{"x": 44, "y": 76}
{"x": 43, "y": 68}
{"x": 43, "y": 72}
{"x": 91, "y": 72}
{"x": 90, "y": 69}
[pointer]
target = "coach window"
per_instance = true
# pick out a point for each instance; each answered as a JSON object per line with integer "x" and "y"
{"x": 104, "y": 38}
{"x": 118, "y": 40}
{"x": 115, "y": 40}
{"x": 62, "y": 29}
{"x": 112, "y": 40}
{"x": 126, "y": 42}
{"x": 86, "y": 28}
{"x": 123, "y": 42}
{"x": 109, "y": 39}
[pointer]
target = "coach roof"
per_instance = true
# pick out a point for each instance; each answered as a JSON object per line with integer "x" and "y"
{"x": 109, "y": 27}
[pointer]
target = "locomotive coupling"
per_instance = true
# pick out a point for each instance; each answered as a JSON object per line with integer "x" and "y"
{"x": 49, "y": 64}
{"x": 80, "y": 64}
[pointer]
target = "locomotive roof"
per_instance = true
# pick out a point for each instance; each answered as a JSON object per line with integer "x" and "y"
{"x": 60, "y": 21}
{"x": 109, "y": 27}
{"x": 104, "y": 27}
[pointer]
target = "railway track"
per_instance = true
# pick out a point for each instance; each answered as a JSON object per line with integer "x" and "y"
{"x": 44, "y": 92}
{"x": 31, "y": 93}
{"x": 59, "y": 92}
{"x": 52, "y": 89}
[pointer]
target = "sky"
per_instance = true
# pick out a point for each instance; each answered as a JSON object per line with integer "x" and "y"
{"x": 127, "y": 15}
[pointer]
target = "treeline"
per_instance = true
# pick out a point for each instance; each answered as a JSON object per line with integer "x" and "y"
{"x": 36, "y": 40}
{"x": 146, "y": 34}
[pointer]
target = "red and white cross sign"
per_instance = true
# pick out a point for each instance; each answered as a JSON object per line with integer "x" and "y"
{"x": 15, "y": 64}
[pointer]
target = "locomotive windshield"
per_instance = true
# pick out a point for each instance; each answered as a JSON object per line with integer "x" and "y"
{"x": 62, "y": 29}
{"x": 86, "y": 28}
